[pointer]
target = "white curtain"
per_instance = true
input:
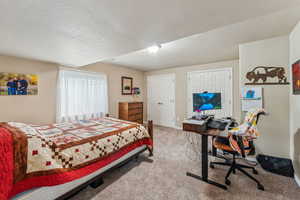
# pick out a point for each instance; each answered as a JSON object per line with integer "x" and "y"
{"x": 81, "y": 95}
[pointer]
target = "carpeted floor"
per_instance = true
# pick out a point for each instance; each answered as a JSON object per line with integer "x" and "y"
{"x": 162, "y": 177}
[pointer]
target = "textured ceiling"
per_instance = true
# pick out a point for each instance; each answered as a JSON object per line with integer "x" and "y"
{"x": 212, "y": 46}
{"x": 81, "y": 32}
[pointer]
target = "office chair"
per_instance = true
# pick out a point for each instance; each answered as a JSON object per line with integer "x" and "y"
{"x": 240, "y": 142}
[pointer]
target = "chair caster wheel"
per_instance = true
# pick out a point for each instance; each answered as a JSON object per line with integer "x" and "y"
{"x": 260, "y": 187}
{"x": 211, "y": 166}
{"x": 255, "y": 171}
{"x": 227, "y": 182}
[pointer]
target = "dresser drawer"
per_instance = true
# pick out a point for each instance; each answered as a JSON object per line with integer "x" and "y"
{"x": 131, "y": 111}
{"x": 135, "y": 105}
{"x": 135, "y": 111}
{"x": 136, "y": 116}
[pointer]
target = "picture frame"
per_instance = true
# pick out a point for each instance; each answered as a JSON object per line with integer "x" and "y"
{"x": 296, "y": 77}
{"x": 12, "y": 84}
{"x": 127, "y": 83}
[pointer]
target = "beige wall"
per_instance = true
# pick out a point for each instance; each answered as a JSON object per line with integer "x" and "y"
{"x": 38, "y": 109}
{"x": 114, "y": 74}
{"x": 274, "y": 139}
{"x": 295, "y": 103}
{"x": 41, "y": 109}
{"x": 181, "y": 86}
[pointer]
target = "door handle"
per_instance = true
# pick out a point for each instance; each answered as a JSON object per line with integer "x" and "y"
{"x": 159, "y": 103}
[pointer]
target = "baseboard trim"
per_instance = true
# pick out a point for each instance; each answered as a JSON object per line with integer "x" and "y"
{"x": 175, "y": 127}
{"x": 297, "y": 180}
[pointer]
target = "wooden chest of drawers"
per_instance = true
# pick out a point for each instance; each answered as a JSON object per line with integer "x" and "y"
{"x": 131, "y": 111}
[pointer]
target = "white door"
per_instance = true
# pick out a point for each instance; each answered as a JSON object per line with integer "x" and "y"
{"x": 161, "y": 99}
{"x": 212, "y": 81}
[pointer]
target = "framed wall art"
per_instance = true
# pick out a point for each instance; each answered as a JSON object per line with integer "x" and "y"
{"x": 262, "y": 75}
{"x": 18, "y": 84}
{"x": 296, "y": 77}
{"x": 127, "y": 85}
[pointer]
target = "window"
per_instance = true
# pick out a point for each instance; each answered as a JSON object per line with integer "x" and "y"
{"x": 81, "y": 95}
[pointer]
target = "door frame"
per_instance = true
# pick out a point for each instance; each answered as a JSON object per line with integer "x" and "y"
{"x": 172, "y": 75}
{"x": 230, "y": 69}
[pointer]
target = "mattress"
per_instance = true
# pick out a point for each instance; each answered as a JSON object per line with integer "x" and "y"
{"x": 45, "y": 156}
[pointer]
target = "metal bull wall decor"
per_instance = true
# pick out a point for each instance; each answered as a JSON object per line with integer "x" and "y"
{"x": 260, "y": 75}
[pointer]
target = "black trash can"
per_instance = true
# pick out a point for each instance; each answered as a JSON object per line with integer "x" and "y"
{"x": 281, "y": 166}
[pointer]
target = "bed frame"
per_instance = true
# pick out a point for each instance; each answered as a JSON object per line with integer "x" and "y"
{"x": 98, "y": 180}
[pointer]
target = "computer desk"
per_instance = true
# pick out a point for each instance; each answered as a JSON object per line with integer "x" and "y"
{"x": 205, "y": 133}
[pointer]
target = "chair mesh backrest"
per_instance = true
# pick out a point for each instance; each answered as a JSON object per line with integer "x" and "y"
{"x": 249, "y": 127}
{"x": 248, "y": 131}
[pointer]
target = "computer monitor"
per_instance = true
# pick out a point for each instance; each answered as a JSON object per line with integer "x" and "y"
{"x": 206, "y": 101}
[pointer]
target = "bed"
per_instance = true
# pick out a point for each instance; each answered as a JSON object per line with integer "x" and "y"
{"x": 58, "y": 160}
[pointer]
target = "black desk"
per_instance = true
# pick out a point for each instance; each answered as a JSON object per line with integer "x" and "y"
{"x": 205, "y": 133}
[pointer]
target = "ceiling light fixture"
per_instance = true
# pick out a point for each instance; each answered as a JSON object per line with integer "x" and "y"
{"x": 154, "y": 48}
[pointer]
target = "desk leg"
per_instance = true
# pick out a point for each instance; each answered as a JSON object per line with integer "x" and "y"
{"x": 204, "y": 157}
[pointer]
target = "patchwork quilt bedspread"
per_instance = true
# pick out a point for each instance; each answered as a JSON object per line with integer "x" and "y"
{"x": 35, "y": 156}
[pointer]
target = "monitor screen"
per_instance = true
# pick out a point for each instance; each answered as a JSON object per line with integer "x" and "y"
{"x": 206, "y": 101}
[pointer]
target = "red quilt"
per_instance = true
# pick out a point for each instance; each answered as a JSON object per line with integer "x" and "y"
{"x": 35, "y": 156}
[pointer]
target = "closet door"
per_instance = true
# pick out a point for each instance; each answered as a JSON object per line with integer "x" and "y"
{"x": 161, "y": 99}
{"x": 212, "y": 81}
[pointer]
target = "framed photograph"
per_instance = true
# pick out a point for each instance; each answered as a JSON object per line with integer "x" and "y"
{"x": 296, "y": 77}
{"x": 252, "y": 97}
{"x": 18, "y": 84}
{"x": 126, "y": 85}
